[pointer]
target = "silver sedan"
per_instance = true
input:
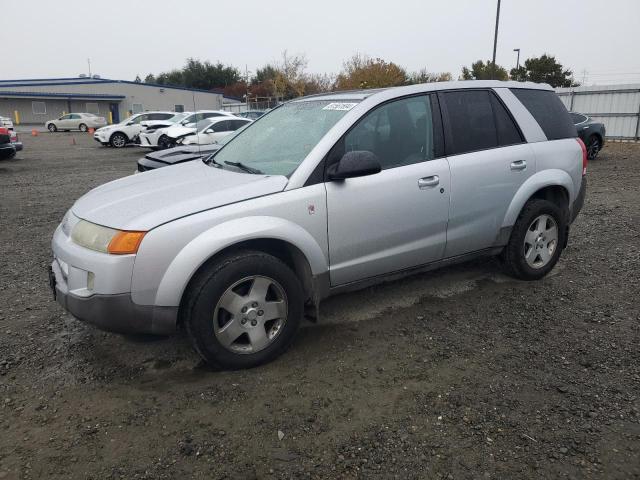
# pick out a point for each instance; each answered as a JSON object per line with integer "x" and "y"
{"x": 76, "y": 121}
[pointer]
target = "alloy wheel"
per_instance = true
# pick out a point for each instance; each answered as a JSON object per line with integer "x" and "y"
{"x": 541, "y": 241}
{"x": 593, "y": 148}
{"x": 250, "y": 314}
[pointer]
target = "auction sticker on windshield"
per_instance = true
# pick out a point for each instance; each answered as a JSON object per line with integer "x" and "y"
{"x": 340, "y": 106}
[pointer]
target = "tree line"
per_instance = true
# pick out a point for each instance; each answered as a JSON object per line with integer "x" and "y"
{"x": 288, "y": 77}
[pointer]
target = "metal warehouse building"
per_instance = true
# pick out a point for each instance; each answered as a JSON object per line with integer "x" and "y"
{"x": 35, "y": 101}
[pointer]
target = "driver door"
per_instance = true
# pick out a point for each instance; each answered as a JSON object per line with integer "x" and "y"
{"x": 63, "y": 122}
{"x": 395, "y": 219}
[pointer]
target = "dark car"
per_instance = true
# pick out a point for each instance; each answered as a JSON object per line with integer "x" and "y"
{"x": 7, "y": 148}
{"x": 174, "y": 156}
{"x": 591, "y": 132}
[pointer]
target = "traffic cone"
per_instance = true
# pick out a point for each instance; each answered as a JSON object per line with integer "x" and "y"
{"x": 91, "y": 131}
{"x": 34, "y": 133}
{"x": 73, "y": 140}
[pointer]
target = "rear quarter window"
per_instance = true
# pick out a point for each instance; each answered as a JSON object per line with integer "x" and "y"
{"x": 549, "y": 111}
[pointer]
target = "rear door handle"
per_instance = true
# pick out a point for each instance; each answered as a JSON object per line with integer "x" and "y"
{"x": 518, "y": 165}
{"x": 427, "y": 182}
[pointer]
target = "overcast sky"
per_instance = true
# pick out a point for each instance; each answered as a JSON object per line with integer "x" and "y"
{"x": 124, "y": 38}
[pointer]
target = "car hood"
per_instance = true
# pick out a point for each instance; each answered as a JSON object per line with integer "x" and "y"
{"x": 144, "y": 201}
{"x": 182, "y": 153}
{"x": 178, "y": 131}
{"x": 108, "y": 128}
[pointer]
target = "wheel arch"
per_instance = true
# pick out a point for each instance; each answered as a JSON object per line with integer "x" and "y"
{"x": 118, "y": 131}
{"x": 283, "y": 250}
{"x": 283, "y": 239}
{"x": 553, "y": 185}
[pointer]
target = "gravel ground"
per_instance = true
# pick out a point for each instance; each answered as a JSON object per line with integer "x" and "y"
{"x": 456, "y": 374}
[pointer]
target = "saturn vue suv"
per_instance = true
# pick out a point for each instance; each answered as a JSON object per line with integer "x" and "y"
{"x": 321, "y": 195}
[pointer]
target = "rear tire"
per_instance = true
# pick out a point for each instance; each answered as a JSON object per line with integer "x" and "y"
{"x": 537, "y": 240}
{"x": 118, "y": 140}
{"x": 593, "y": 147}
{"x": 82, "y": 127}
{"x": 244, "y": 310}
{"x": 52, "y": 128}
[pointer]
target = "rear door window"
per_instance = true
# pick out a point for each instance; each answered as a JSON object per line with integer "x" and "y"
{"x": 471, "y": 122}
{"x": 549, "y": 112}
{"x": 508, "y": 131}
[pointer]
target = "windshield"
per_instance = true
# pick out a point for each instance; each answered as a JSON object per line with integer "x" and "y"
{"x": 177, "y": 117}
{"x": 203, "y": 124}
{"x": 277, "y": 143}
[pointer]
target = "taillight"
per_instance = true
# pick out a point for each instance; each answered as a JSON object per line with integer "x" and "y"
{"x": 584, "y": 156}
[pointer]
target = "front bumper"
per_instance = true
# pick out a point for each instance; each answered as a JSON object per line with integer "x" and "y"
{"x": 101, "y": 137}
{"x": 18, "y": 146}
{"x": 118, "y": 313}
{"x": 95, "y": 288}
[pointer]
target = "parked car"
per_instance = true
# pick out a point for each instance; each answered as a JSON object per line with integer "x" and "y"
{"x": 591, "y": 132}
{"x": 211, "y": 130}
{"x": 324, "y": 194}
{"x": 175, "y": 156}
{"x": 75, "y": 121}
{"x": 251, "y": 114}
{"x": 121, "y": 134}
{"x": 164, "y": 137}
{"x": 151, "y": 130}
{"x": 15, "y": 141}
{"x": 6, "y": 123}
{"x": 7, "y": 148}
{"x": 150, "y": 127}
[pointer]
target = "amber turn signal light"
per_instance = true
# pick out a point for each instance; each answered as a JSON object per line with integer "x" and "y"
{"x": 124, "y": 243}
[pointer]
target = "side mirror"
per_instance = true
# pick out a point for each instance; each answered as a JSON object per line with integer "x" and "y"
{"x": 358, "y": 163}
{"x": 209, "y": 130}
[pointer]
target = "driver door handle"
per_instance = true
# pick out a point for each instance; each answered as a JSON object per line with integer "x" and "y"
{"x": 518, "y": 165}
{"x": 427, "y": 182}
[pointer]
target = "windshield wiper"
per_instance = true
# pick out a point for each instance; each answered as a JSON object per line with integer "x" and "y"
{"x": 244, "y": 167}
{"x": 210, "y": 160}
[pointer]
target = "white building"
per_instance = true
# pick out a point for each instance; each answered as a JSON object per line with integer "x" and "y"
{"x": 34, "y": 101}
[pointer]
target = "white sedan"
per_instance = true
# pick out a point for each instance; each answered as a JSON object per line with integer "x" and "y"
{"x": 161, "y": 138}
{"x": 211, "y": 130}
{"x": 76, "y": 121}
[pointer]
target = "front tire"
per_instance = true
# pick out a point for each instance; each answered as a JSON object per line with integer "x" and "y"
{"x": 244, "y": 310}
{"x": 163, "y": 142}
{"x": 118, "y": 140}
{"x": 83, "y": 128}
{"x": 537, "y": 240}
{"x": 52, "y": 128}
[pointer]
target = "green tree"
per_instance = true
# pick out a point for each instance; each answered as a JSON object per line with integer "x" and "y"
{"x": 150, "y": 78}
{"x": 424, "y": 76}
{"x": 203, "y": 75}
{"x": 268, "y": 72}
{"x": 484, "y": 71}
{"x": 544, "y": 69}
{"x": 361, "y": 71}
{"x": 138, "y": 79}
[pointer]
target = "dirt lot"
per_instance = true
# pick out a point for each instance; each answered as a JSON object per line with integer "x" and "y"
{"x": 462, "y": 373}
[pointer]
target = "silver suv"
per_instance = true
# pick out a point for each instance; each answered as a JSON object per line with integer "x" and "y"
{"x": 323, "y": 194}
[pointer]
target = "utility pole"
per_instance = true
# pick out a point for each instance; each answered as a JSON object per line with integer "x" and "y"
{"x": 517, "y": 63}
{"x": 89, "y": 63}
{"x": 495, "y": 43}
{"x": 584, "y": 76}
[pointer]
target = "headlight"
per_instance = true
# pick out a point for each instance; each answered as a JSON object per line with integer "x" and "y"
{"x": 105, "y": 239}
